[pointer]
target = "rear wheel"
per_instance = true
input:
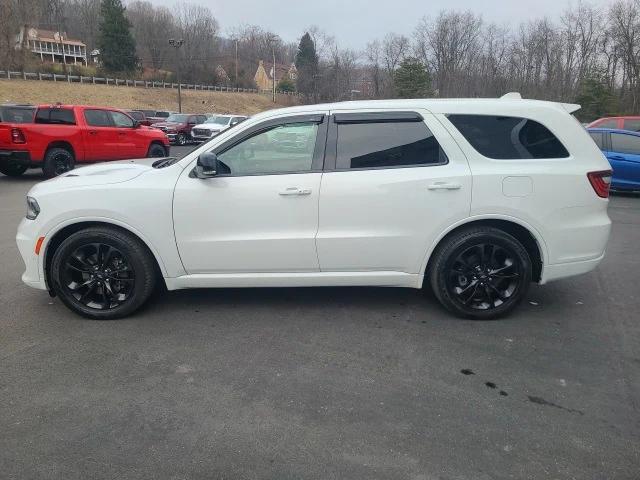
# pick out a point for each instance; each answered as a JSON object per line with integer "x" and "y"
{"x": 58, "y": 161}
{"x": 156, "y": 151}
{"x": 103, "y": 273}
{"x": 181, "y": 139}
{"x": 481, "y": 273}
{"x": 12, "y": 169}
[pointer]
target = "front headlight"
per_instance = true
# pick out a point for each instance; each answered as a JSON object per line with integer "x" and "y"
{"x": 33, "y": 209}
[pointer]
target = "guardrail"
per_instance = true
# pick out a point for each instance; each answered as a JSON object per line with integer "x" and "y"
{"x": 119, "y": 82}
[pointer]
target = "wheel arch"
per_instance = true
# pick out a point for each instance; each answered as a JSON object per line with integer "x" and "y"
{"x": 530, "y": 239}
{"x": 57, "y": 236}
{"x": 61, "y": 144}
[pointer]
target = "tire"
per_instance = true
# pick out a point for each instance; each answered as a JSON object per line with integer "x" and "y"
{"x": 123, "y": 281}
{"x": 12, "y": 169}
{"x": 480, "y": 273}
{"x": 58, "y": 161}
{"x": 181, "y": 139}
{"x": 156, "y": 151}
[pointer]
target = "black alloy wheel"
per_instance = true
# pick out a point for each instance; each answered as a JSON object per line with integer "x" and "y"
{"x": 13, "y": 169}
{"x": 103, "y": 273}
{"x": 98, "y": 276}
{"x": 181, "y": 139}
{"x": 484, "y": 276}
{"x": 58, "y": 161}
{"x": 156, "y": 151}
{"x": 481, "y": 273}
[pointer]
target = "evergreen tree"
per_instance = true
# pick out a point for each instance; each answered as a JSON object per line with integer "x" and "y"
{"x": 595, "y": 98}
{"x": 412, "y": 80}
{"x": 307, "y": 66}
{"x": 115, "y": 42}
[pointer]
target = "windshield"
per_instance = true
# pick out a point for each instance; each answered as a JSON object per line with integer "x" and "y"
{"x": 177, "y": 118}
{"x": 218, "y": 120}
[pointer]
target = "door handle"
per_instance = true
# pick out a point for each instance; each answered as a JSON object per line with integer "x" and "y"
{"x": 616, "y": 157}
{"x": 93, "y": 132}
{"x": 294, "y": 191}
{"x": 444, "y": 186}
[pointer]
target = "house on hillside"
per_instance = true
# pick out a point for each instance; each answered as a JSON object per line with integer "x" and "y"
{"x": 266, "y": 72}
{"x": 52, "y": 46}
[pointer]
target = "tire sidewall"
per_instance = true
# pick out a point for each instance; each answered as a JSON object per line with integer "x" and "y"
{"x": 49, "y": 167}
{"x": 462, "y": 242}
{"x": 158, "y": 148}
{"x": 136, "y": 257}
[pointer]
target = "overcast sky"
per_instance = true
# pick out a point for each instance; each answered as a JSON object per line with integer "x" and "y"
{"x": 355, "y": 22}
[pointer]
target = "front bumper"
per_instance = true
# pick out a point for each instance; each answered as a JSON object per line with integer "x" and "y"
{"x": 19, "y": 157}
{"x": 26, "y": 239}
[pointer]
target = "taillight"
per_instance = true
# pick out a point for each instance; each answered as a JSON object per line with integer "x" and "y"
{"x": 17, "y": 136}
{"x": 600, "y": 181}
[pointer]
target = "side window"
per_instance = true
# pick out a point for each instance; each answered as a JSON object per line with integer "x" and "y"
{"x": 613, "y": 123}
{"x": 393, "y": 144}
{"x": 97, "y": 118}
{"x": 598, "y": 137}
{"x": 121, "y": 120}
{"x": 508, "y": 138}
{"x": 625, "y": 143}
{"x": 60, "y": 116}
{"x": 281, "y": 149}
{"x": 201, "y": 119}
{"x": 633, "y": 125}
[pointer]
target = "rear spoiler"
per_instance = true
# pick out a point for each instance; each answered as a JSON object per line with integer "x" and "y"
{"x": 571, "y": 107}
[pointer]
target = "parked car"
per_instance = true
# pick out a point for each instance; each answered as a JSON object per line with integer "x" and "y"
{"x": 178, "y": 127}
{"x": 16, "y": 113}
{"x": 621, "y": 123}
{"x": 156, "y": 116}
{"x": 139, "y": 116}
{"x": 65, "y": 135}
{"x": 214, "y": 125}
{"x": 622, "y": 149}
{"x": 472, "y": 198}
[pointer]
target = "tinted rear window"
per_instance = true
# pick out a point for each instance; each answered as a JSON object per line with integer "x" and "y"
{"x": 60, "y": 116}
{"x": 508, "y": 138}
{"x": 16, "y": 114}
{"x": 598, "y": 137}
{"x": 633, "y": 125}
{"x": 379, "y": 145}
{"x": 623, "y": 143}
{"x": 98, "y": 118}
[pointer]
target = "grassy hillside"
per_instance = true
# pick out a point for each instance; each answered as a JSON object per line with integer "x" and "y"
{"x": 21, "y": 91}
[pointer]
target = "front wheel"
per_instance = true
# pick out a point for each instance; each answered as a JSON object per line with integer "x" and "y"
{"x": 103, "y": 273}
{"x": 156, "y": 151}
{"x": 181, "y": 139}
{"x": 481, "y": 273}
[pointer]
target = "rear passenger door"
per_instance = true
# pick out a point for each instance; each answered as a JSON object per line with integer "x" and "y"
{"x": 393, "y": 182}
{"x": 624, "y": 157}
{"x": 101, "y": 136}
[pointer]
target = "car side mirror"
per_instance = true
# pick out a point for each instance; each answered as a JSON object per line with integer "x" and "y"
{"x": 137, "y": 123}
{"x": 207, "y": 165}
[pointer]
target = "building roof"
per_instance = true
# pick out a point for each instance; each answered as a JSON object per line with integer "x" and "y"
{"x": 281, "y": 69}
{"x": 51, "y": 36}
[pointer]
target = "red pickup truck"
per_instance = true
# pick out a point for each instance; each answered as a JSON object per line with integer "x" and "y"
{"x": 65, "y": 135}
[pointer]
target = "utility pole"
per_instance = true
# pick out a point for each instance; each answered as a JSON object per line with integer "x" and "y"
{"x": 177, "y": 44}
{"x": 236, "y": 63}
{"x": 273, "y": 51}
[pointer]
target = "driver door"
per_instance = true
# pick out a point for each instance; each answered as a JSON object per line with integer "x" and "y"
{"x": 260, "y": 213}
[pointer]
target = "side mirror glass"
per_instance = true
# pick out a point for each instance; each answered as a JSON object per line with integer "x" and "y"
{"x": 207, "y": 165}
{"x": 137, "y": 123}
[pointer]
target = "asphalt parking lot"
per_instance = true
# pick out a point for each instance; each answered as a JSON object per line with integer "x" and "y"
{"x": 335, "y": 383}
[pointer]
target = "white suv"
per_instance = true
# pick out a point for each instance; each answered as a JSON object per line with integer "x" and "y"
{"x": 472, "y": 198}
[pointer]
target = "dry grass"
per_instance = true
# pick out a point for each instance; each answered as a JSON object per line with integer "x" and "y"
{"x": 35, "y": 92}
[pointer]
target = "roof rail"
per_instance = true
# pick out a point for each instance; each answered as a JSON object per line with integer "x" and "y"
{"x": 511, "y": 96}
